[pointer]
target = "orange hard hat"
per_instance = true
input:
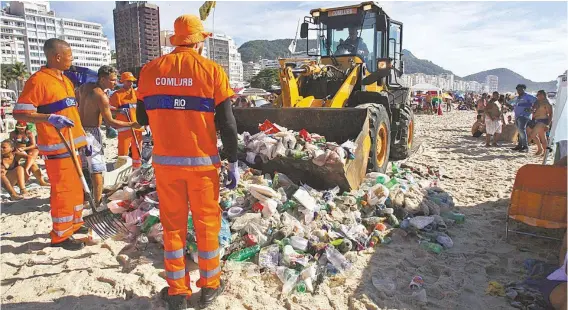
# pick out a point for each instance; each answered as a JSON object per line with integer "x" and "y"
{"x": 127, "y": 76}
{"x": 188, "y": 29}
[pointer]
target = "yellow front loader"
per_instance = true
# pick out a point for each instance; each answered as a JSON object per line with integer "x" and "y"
{"x": 345, "y": 89}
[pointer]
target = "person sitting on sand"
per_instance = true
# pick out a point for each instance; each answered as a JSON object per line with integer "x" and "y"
{"x": 492, "y": 120}
{"x": 12, "y": 172}
{"x": 24, "y": 141}
{"x": 553, "y": 288}
{"x": 542, "y": 119}
{"x": 478, "y": 127}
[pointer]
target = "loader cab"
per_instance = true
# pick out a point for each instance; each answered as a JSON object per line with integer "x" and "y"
{"x": 363, "y": 31}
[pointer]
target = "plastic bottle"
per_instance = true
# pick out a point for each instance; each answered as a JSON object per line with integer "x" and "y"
{"x": 390, "y": 184}
{"x": 432, "y": 247}
{"x": 393, "y": 220}
{"x": 395, "y": 170}
{"x": 244, "y": 254}
{"x": 458, "y": 217}
{"x": 301, "y": 287}
{"x": 152, "y": 218}
{"x": 337, "y": 259}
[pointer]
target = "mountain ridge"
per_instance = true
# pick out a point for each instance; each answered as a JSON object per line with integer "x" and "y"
{"x": 508, "y": 79}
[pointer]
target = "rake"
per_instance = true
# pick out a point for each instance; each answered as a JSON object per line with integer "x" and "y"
{"x": 103, "y": 223}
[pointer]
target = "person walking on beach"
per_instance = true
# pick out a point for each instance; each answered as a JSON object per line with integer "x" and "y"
{"x": 48, "y": 100}
{"x": 542, "y": 119}
{"x": 94, "y": 106}
{"x": 492, "y": 120}
{"x": 185, "y": 97}
{"x": 523, "y": 111}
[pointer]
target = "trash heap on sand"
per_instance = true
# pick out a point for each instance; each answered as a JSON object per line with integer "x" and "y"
{"x": 298, "y": 233}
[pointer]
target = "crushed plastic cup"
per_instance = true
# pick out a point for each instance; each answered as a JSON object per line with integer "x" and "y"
{"x": 289, "y": 277}
{"x": 384, "y": 285}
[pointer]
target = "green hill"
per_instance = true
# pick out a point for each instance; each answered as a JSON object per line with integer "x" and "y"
{"x": 412, "y": 64}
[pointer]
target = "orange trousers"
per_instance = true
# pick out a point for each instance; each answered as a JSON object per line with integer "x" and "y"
{"x": 66, "y": 198}
{"x": 126, "y": 141}
{"x": 176, "y": 187}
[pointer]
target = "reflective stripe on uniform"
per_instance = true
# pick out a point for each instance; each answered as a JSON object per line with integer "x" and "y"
{"x": 208, "y": 254}
{"x": 173, "y": 254}
{"x": 121, "y": 129}
{"x": 170, "y": 102}
{"x": 78, "y": 207}
{"x": 57, "y": 106}
{"x": 174, "y": 275}
{"x": 206, "y": 274}
{"x": 78, "y": 220}
{"x": 60, "y": 233}
{"x": 128, "y": 106}
{"x": 58, "y": 146}
{"x": 63, "y": 219}
{"x": 24, "y": 107}
{"x": 185, "y": 161}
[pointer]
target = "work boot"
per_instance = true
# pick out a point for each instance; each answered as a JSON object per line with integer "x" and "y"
{"x": 524, "y": 149}
{"x": 83, "y": 230}
{"x": 517, "y": 148}
{"x": 69, "y": 245}
{"x": 208, "y": 295}
{"x": 174, "y": 302}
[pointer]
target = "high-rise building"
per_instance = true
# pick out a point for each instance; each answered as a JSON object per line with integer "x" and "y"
{"x": 165, "y": 37}
{"x": 250, "y": 69}
{"x": 26, "y": 25}
{"x": 492, "y": 82}
{"x": 136, "y": 34}
{"x": 223, "y": 50}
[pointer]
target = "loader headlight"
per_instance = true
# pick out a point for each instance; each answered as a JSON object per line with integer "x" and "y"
{"x": 316, "y": 14}
{"x": 367, "y": 7}
{"x": 383, "y": 64}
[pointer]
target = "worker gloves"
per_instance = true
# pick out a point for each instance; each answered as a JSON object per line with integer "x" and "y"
{"x": 60, "y": 121}
{"x": 233, "y": 176}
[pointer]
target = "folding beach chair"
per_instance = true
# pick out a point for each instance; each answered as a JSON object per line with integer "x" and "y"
{"x": 538, "y": 198}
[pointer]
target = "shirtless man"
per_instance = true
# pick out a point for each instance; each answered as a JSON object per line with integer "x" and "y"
{"x": 481, "y": 105}
{"x": 478, "y": 127}
{"x": 542, "y": 118}
{"x": 492, "y": 120}
{"x": 94, "y": 103}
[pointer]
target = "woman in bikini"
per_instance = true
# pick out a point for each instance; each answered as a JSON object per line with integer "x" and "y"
{"x": 12, "y": 172}
{"x": 542, "y": 119}
{"x": 24, "y": 141}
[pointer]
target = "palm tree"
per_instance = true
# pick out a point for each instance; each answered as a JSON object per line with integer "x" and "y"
{"x": 19, "y": 72}
{"x": 7, "y": 76}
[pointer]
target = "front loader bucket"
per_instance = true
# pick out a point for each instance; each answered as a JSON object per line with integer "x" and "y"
{"x": 337, "y": 125}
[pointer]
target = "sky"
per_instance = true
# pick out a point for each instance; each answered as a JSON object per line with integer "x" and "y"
{"x": 530, "y": 38}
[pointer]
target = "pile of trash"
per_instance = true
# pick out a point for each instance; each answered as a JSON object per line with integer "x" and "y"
{"x": 292, "y": 230}
{"x": 298, "y": 233}
{"x": 273, "y": 141}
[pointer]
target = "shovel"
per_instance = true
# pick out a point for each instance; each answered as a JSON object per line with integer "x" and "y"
{"x": 103, "y": 223}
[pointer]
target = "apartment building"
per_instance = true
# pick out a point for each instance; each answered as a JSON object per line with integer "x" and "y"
{"x": 250, "y": 69}
{"x": 137, "y": 34}
{"x": 26, "y": 25}
{"x": 492, "y": 82}
{"x": 223, "y": 50}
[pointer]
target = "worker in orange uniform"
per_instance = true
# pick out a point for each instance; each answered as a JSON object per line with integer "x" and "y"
{"x": 184, "y": 96}
{"x": 124, "y": 101}
{"x": 48, "y": 100}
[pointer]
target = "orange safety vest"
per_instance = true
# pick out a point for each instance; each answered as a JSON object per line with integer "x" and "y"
{"x": 180, "y": 91}
{"x": 124, "y": 99}
{"x": 45, "y": 93}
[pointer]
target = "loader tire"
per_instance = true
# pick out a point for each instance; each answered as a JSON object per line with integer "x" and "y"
{"x": 380, "y": 139}
{"x": 402, "y": 149}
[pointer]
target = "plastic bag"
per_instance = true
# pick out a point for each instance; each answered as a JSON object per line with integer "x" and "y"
{"x": 269, "y": 256}
{"x": 118, "y": 206}
{"x": 126, "y": 193}
{"x": 377, "y": 195}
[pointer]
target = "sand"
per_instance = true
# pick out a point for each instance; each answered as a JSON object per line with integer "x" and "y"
{"x": 115, "y": 275}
